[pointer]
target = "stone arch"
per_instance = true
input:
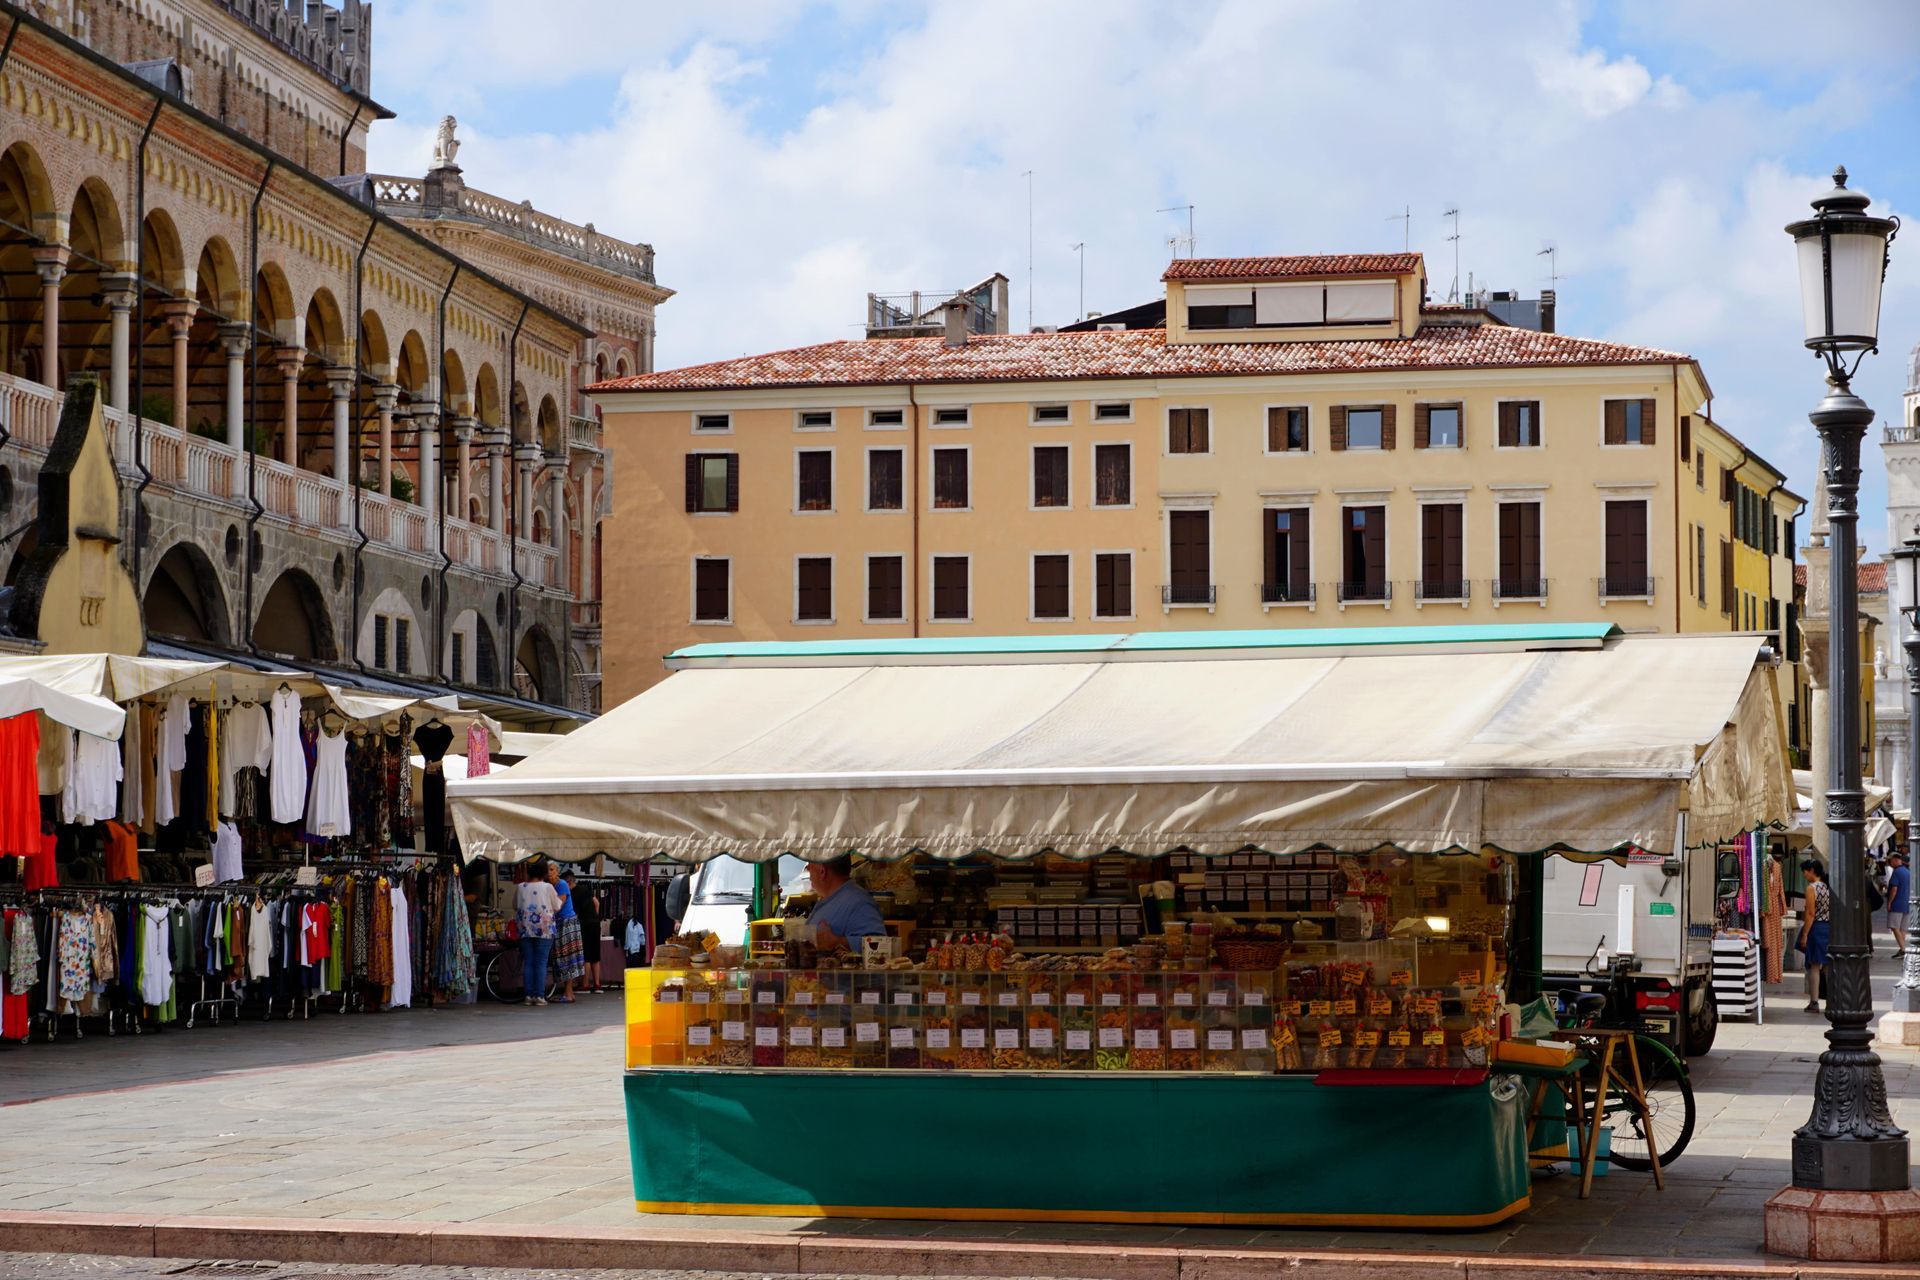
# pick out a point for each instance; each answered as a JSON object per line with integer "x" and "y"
{"x": 486, "y": 395}
{"x": 411, "y": 370}
{"x": 97, "y": 239}
{"x": 273, "y": 312}
{"x": 376, "y": 355}
{"x": 549, "y": 426}
{"x": 219, "y": 286}
{"x": 542, "y": 527}
{"x": 23, "y": 178}
{"x": 620, "y": 366}
{"x": 184, "y": 597}
{"x": 536, "y": 666}
{"x": 392, "y": 604}
{"x": 293, "y": 619}
{"x": 522, "y": 424}
{"x": 26, "y": 200}
{"x": 94, "y": 203}
{"x": 599, "y": 366}
{"x": 163, "y": 261}
{"x": 326, "y": 328}
{"x": 453, "y": 384}
{"x": 486, "y": 656}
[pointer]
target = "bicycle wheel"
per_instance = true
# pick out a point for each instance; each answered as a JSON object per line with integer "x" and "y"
{"x": 502, "y": 978}
{"x": 1668, "y": 1115}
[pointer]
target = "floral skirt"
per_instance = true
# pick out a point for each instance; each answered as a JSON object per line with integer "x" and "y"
{"x": 569, "y": 959}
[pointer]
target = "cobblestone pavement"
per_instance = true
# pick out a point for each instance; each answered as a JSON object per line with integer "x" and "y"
{"x": 53, "y": 1266}
{"x": 514, "y": 1115}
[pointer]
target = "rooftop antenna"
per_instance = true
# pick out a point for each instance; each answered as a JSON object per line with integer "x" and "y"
{"x": 1453, "y": 290}
{"x": 1192, "y": 244}
{"x": 1552, "y": 254}
{"x": 1405, "y": 219}
{"x": 1081, "y": 249}
{"x": 1029, "y": 177}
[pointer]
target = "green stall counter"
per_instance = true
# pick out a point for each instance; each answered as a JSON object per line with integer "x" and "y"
{"x": 1279, "y": 1150}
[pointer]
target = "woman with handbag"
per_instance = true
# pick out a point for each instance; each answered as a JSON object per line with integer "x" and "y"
{"x": 1815, "y": 917}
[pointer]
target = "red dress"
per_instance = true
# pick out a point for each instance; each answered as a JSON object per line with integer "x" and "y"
{"x": 20, "y": 785}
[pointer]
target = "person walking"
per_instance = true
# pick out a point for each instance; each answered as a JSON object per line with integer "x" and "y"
{"x": 568, "y": 955}
{"x": 586, "y": 905}
{"x": 535, "y": 904}
{"x": 1899, "y": 898}
{"x": 1815, "y": 914}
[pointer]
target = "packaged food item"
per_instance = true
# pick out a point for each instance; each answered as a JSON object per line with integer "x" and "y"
{"x": 768, "y": 1017}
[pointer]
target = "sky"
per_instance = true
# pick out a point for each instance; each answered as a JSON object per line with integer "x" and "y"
{"x": 786, "y": 158}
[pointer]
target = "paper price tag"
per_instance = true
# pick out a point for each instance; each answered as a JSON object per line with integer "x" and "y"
{"x": 1076, "y": 999}
{"x": 1183, "y": 1039}
{"x": 1331, "y": 1040}
{"x": 700, "y": 1035}
{"x": 836, "y": 997}
{"x": 833, "y": 1037}
{"x": 733, "y": 997}
{"x": 1401, "y": 978}
{"x": 668, "y": 997}
{"x": 1434, "y": 1037}
{"x": 1007, "y": 999}
{"x": 1380, "y": 1006}
{"x": 973, "y": 1038}
{"x": 1253, "y": 997}
{"x": 766, "y": 1037}
{"x": 307, "y": 876}
{"x": 800, "y": 1035}
{"x": 1219, "y": 999}
{"x": 1006, "y": 1038}
{"x": 866, "y": 1032}
{"x": 1219, "y": 1040}
{"x": 1112, "y": 1038}
{"x": 803, "y": 997}
{"x": 900, "y": 1037}
{"x": 937, "y": 997}
{"x": 1109, "y": 999}
{"x": 903, "y": 997}
{"x": 1040, "y": 1038}
{"x": 763, "y": 997}
{"x": 735, "y": 1031}
{"x": 1183, "y": 999}
{"x": 939, "y": 1038}
{"x": 702, "y": 997}
{"x": 1484, "y": 1004}
{"x": 1144, "y": 1039}
{"x": 1147, "y": 999}
{"x": 969, "y": 997}
{"x": 1256, "y": 1038}
{"x": 1399, "y": 1039}
{"x": 1428, "y": 1005}
{"x": 1079, "y": 1041}
{"x": 1347, "y": 1007}
{"x": 203, "y": 876}
{"x": 1470, "y": 977}
{"x": 1283, "y": 1037}
{"x": 1043, "y": 998}
{"x": 1320, "y": 1008}
{"x": 869, "y": 997}
{"x": 1367, "y": 1039}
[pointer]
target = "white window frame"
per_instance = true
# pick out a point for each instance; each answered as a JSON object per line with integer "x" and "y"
{"x": 703, "y": 455}
{"x": 1452, "y": 499}
{"x": 833, "y": 481}
{"x": 906, "y": 494}
{"x": 1386, "y": 543}
{"x": 933, "y": 483}
{"x": 1096, "y": 418}
{"x": 693, "y": 423}
{"x": 1266, "y": 412}
{"x": 693, "y": 592}
{"x": 1033, "y": 582}
{"x": 800, "y": 420}
{"x": 1093, "y": 585}
{"x": 1166, "y": 545}
{"x": 1534, "y": 498}
{"x": 866, "y": 592}
{"x": 964, "y": 410}
{"x": 833, "y": 591}
{"x": 1540, "y": 427}
{"x": 886, "y": 426}
{"x": 1035, "y": 420}
{"x": 1033, "y": 475}
{"x": 1166, "y": 431}
{"x": 1459, "y": 427}
{"x": 1379, "y": 407}
{"x": 1093, "y": 477}
{"x": 1646, "y": 515}
{"x": 1269, "y": 504}
{"x": 1641, "y": 444}
{"x": 933, "y": 584}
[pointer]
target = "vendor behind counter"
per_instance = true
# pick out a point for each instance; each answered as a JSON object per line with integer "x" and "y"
{"x": 843, "y": 911}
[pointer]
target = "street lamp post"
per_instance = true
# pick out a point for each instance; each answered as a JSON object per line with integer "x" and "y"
{"x": 1906, "y": 993}
{"x": 1850, "y": 1142}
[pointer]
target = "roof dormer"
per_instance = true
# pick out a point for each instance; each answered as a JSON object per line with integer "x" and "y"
{"x": 1321, "y": 298}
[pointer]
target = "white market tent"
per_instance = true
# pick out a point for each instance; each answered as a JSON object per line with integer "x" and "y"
{"x": 1426, "y": 738}
{"x": 82, "y": 711}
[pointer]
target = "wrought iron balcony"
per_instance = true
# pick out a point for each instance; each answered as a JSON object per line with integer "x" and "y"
{"x": 1365, "y": 592}
{"x": 1286, "y": 593}
{"x": 1617, "y": 587}
{"x": 1442, "y": 589}
{"x": 1520, "y": 588}
{"x": 1188, "y": 593}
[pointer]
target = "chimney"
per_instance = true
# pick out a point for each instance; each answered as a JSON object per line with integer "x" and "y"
{"x": 954, "y": 311}
{"x": 1546, "y": 310}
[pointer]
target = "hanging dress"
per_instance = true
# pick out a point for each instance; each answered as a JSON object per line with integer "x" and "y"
{"x": 400, "y": 785}
{"x": 402, "y": 994}
{"x": 479, "y": 758}
{"x": 1773, "y": 909}
{"x": 20, "y": 785}
{"x": 93, "y": 778}
{"x": 433, "y": 739}
{"x": 175, "y": 721}
{"x": 288, "y": 773}
{"x": 133, "y": 795}
{"x": 330, "y": 802}
{"x": 249, "y": 745}
{"x": 156, "y": 956}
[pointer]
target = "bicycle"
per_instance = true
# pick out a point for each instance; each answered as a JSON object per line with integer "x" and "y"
{"x": 1666, "y": 1086}
{"x": 502, "y": 979}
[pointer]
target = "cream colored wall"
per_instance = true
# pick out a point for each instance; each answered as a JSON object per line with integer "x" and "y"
{"x": 1411, "y": 289}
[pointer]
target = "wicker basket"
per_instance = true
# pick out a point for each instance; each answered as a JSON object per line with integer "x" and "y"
{"x": 1250, "y": 955}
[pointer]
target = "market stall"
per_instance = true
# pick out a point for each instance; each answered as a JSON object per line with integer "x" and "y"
{"x": 1203, "y": 927}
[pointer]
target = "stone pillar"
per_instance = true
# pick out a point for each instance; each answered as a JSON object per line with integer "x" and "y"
{"x": 179, "y": 313}
{"x": 51, "y": 262}
{"x": 587, "y": 523}
{"x": 233, "y": 339}
{"x": 340, "y": 387}
{"x": 523, "y": 491}
{"x": 496, "y": 504}
{"x": 463, "y": 429}
{"x": 556, "y": 514}
{"x": 426, "y": 424}
{"x": 290, "y": 359}
{"x": 120, "y": 295}
{"x": 384, "y": 397}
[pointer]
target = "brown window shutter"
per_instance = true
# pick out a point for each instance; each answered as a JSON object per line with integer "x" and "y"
{"x": 1337, "y": 428}
{"x": 1197, "y": 430}
{"x": 1647, "y": 433}
{"x": 1422, "y": 420}
{"x": 733, "y": 482}
{"x": 1269, "y": 543}
{"x": 1461, "y": 419}
{"x": 1616, "y": 411}
{"x": 1727, "y": 484}
{"x": 1301, "y": 548}
{"x": 693, "y": 482}
{"x": 1386, "y": 426}
{"x": 1686, "y": 437}
{"x": 1727, "y": 592}
{"x": 1509, "y": 429}
{"x": 1276, "y": 432}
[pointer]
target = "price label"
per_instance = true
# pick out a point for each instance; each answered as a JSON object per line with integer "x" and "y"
{"x": 1331, "y": 1040}
{"x": 903, "y": 997}
{"x": 668, "y": 997}
{"x": 1109, "y": 999}
{"x": 866, "y": 1032}
{"x": 763, "y": 997}
{"x": 306, "y": 876}
{"x": 1112, "y": 1038}
{"x": 939, "y": 1038}
{"x": 1434, "y": 1037}
{"x": 900, "y": 1037}
{"x": 1147, "y": 999}
{"x": 1320, "y": 1008}
{"x": 1076, "y": 999}
{"x": 833, "y": 1037}
{"x": 937, "y": 997}
{"x": 202, "y": 876}
{"x": 1183, "y": 999}
{"x": 869, "y": 997}
{"x": 1079, "y": 1041}
{"x": 1470, "y": 977}
{"x": 1043, "y": 998}
{"x": 1181, "y": 1038}
{"x": 766, "y": 1037}
{"x": 800, "y": 1035}
{"x": 1007, "y": 999}
{"x": 1347, "y": 1007}
{"x": 1256, "y": 1038}
{"x": 836, "y": 997}
{"x": 1219, "y": 999}
{"x": 733, "y": 997}
{"x": 1399, "y": 1039}
{"x": 1428, "y": 1005}
{"x": 702, "y": 997}
{"x": 1040, "y": 1037}
{"x": 803, "y": 997}
{"x": 1006, "y": 1038}
{"x": 700, "y": 1035}
{"x": 735, "y": 1031}
{"x": 1144, "y": 1039}
{"x": 1283, "y": 1037}
{"x": 1380, "y": 1006}
{"x": 973, "y": 1038}
{"x": 969, "y": 997}
{"x": 1401, "y": 978}
{"x": 1484, "y": 1004}
{"x": 1219, "y": 1040}
{"x": 1367, "y": 1039}
{"x": 1252, "y": 997}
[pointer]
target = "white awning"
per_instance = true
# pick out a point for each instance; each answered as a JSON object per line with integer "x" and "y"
{"x": 1081, "y": 753}
{"x": 82, "y": 711}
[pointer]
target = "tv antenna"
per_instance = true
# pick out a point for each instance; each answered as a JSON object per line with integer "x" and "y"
{"x": 1192, "y": 245}
{"x": 1029, "y": 177}
{"x": 1552, "y": 254}
{"x": 1081, "y": 249}
{"x": 1405, "y": 219}
{"x": 1453, "y": 290}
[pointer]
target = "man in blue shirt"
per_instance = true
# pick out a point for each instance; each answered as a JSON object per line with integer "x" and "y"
{"x": 842, "y": 912}
{"x": 1899, "y": 895}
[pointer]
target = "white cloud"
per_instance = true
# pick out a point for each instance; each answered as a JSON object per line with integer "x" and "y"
{"x": 1600, "y": 88}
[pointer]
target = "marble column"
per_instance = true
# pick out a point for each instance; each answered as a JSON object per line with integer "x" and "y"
{"x": 496, "y": 495}
{"x": 51, "y": 262}
{"x": 340, "y": 387}
{"x": 426, "y": 425}
{"x": 587, "y": 523}
{"x": 120, "y": 295}
{"x": 463, "y": 429}
{"x": 233, "y": 340}
{"x": 384, "y": 397}
{"x": 290, "y": 360}
{"x": 179, "y": 313}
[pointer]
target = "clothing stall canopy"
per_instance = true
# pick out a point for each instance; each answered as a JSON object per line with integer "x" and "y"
{"x": 97, "y": 716}
{"x": 1427, "y": 739}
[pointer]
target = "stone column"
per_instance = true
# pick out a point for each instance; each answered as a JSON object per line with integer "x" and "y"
{"x": 384, "y": 397}
{"x": 587, "y": 522}
{"x": 523, "y": 491}
{"x": 290, "y": 359}
{"x": 179, "y": 313}
{"x": 340, "y": 386}
{"x": 556, "y": 515}
{"x": 51, "y": 262}
{"x": 233, "y": 339}
{"x": 463, "y": 429}
{"x": 496, "y": 496}
{"x": 426, "y": 425}
{"x": 120, "y": 294}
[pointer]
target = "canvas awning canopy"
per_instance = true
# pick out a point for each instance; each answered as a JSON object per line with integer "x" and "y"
{"x": 1589, "y": 741}
{"x": 82, "y": 711}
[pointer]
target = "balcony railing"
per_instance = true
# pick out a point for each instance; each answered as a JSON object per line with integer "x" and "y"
{"x": 410, "y": 198}
{"x": 1520, "y": 588}
{"x": 1441, "y": 589}
{"x": 583, "y": 433}
{"x": 1897, "y": 434}
{"x": 1365, "y": 592}
{"x": 1188, "y": 593}
{"x": 1617, "y": 587}
{"x": 1286, "y": 593}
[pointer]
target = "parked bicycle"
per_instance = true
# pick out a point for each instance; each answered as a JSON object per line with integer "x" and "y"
{"x": 1664, "y": 1106}
{"x": 502, "y": 980}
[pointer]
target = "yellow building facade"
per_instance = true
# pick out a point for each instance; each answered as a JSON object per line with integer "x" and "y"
{"x": 1305, "y": 444}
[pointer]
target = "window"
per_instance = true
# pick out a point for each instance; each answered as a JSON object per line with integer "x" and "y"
{"x": 1113, "y": 475}
{"x": 1628, "y": 422}
{"x": 713, "y": 482}
{"x": 1187, "y": 431}
{"x": 951, "y": 417}
{"x": 380, "y": 640}
{"x": 1627, "y": 550}
{"x": 716, "y": 422}
{"x": 402, "y": 645}
{"x": 1700, "y": 561}
{"x": 886, "y": 418}
{"x": 813, "y": 589}
{"x": 1226, "y": 306}
{"x": 1442, "y": 552}
{"x": 1363, "y": 566}
{"x": 1050, "y": 465}
{"x": 1700, "y": 471}
{"x": 813, "y": 420}
{"x": 950, "y": 479}
{"x": 1190, "y": 557}
{"x": 1436, "y": 426}
{"x": 1113, "y": 584}
{"x": 1052, "y": 592}
{"x": 1728, "y": 592}
{"x": 886, "y": 601}
{"x": 712, "y": 589}
{"x": 1520, "y": 424}
{"x": 1520, "y": 553}
{"x": 1362, "y": 427}
{"x": 1113, "y": 411}
{"x": 458, "y": 656}
{"x": 1686, "y": 437}
{"x": 886, "y": 483}
{"x": 814, "y": 477}
{"x": 1284, "y": 538}
{"x": 1286, "y": 429}
{"x": 950, "y": 598}
{"x": 1055, "y": 413}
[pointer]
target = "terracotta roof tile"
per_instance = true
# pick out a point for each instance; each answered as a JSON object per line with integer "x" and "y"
{"x": 1871, "y": 578}
{"x": 1133, "y": 353}
{"x": 1322, "y": 264}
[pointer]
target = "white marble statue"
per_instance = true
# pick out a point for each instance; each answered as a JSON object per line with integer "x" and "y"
{"x": 445, "y": 145}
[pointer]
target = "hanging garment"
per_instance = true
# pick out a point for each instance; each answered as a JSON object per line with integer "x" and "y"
{"x": 402, "y": 994}
{"x": 106, "y": 956}
{"x": 75, "y": 959}
{"x": 15, "y": 1020}
{"x": 133, "y": 796}
{"x": 400, "y": 784}
{"x": 215, "y": 775}
{"x": 92, "y": 791}
{"x": 20, "y": 785}
{"x": 123, "y": 853}
{"x": 151, "y": 776}
{"x": 248, "y": 745}
{"x": 1773, "y": 909}
{"x": 43, "y": 868}
{"x": 380, "y": 935}
{"x": 259, "y": 940}
{"x": 457, "y": 970}
{"x": 289, "y": 770}
{"x": 433, "y": 739}
{"x": 156, "y": 956}
{"x": 175, "y": 721}
{"x": 365, "y": 778}
{"x": 479, "y": 761}
{"x": 329, "y": 801}
{"x": 226, "y": 854}
{"x": 56, "y": 753}
{"x": 196, "y": 781}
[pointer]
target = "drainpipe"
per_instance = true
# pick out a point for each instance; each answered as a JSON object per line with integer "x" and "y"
{"x": 139, "y": 333}
{"x": 1686, "y": 553}
{"x": 253, "y": 397}
{"x": 359, "y": 424}
{"x": 440, "y": 473}
{"x": 913, "y": 604}
{"x": 359, "y": 105}
{"x": 512, "y": 514}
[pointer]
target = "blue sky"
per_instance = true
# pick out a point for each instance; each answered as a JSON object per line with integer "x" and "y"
{"x": 786, "y": 158}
